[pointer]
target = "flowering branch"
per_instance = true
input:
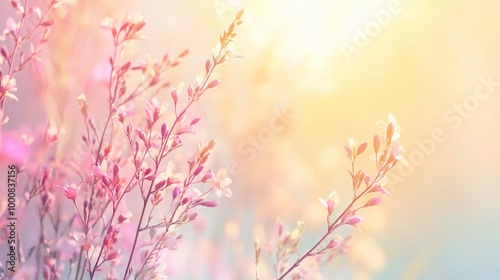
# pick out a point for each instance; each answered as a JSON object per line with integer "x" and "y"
{"x": 145, "y": 149}
{"x": 33, "y": 20}
{"x": 384, "y": 162}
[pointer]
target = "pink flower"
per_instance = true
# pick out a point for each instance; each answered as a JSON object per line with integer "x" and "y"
{"x": 208, "y": 176}
{"x": 8, "y": 87}
{"x": 221, "y": 182}
{"x": 331, "y": 202}
{"x": 70, "y": 191}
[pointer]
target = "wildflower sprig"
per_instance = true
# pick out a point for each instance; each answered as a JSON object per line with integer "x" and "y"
{"x": 367, "y": 192}
{"x": 147, "y": 151}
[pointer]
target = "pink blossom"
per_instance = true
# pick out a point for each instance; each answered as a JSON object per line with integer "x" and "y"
{"x": 213, "y": 83}
{"x": 154, "y": 110}
{"x": 12, "y": 26}
{"x": 107, "y": 24}
{"x": 13, "y": 149}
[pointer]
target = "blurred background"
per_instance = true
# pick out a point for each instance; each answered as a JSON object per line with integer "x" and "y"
{"x": 313, "y": 75}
